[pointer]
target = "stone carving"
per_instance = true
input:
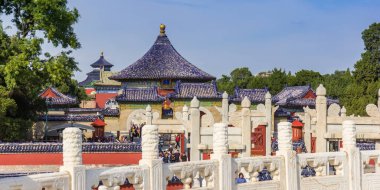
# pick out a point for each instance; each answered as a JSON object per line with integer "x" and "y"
{"x": 311, "y": 112}
{"x": 220, "y": 139}
{"x": 150, "y": 142}
{"x": 72, "y": 146}
{"x": 284, "y": 136}
{"x": 255, "y": 165}
{"x": 333, "y": 110}
{"x": 114, "y": 177}
{"x": 187, "y": 171}
{"x": 372, "y": 110}
{"x": 343, "y": 112}
{"x": 232, "y": 108}
{"x": 207, "y": 118}
{"x": 261, "y": 108}
{"x": 349, "y": 133}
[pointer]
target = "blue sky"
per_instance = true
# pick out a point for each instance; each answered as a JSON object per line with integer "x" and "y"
{"x": 220, "y": 35}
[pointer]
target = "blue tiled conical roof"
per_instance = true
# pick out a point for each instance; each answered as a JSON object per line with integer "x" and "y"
{"x": 162, "y": 61}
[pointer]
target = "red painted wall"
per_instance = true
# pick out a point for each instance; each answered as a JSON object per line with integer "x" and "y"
{"x": 56, "y": 158}
{"x": 102, "y": 98}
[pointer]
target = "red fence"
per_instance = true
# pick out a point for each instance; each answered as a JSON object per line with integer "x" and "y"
{"x": 127, "y": 158}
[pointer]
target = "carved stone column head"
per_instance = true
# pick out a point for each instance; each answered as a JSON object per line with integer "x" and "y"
{"x": 268, "y": 95}
{"x": 285, "y": 136}
{"x": 149, "y": 142}
{"x": 225, "y": 95}
{"x": 220, "y": 138}
{"x": 246, "y": 103}
{"x": 72, "y": 147}
{"x": 321, "y": 90}
{"x": 194, "y": 103}
{"x": 343, "y": 112}
{"x": 349, "y": 134}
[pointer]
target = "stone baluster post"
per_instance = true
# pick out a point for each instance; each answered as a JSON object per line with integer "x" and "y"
{"x": 225, "y": 108}
{"x": 224, "y": 179}
{"x": 148, "y": 115}
{"x": 321, "y": 126}
{"x": 378, "y": 99}
{"x": 185, "y": 117}
{"x": 246, "y": 126}
{"x": 285, "y": 148}
{"x": 268, "y": 117}
{"x": 72, "y": 158}
{"x": 195, "y": 126}
{"x": 353, "y": 154}
{"x": 343, "y": 112}
{"x": 307, "y": 130}
{"x": 150, "y": 158}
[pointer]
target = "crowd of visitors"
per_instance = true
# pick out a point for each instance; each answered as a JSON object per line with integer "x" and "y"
{"x": 172, "y": 155}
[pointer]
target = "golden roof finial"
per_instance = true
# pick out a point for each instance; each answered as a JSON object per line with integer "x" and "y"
{"x": 162, "y": 28}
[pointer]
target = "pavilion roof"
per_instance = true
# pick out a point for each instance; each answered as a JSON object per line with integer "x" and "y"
{"x": 290, "y": 93}
{"x": 140, "y": 95}
{"x": 162, "y": 61}
{"x": 254, "y": 95}
{"x": 101, "y": 62}
{"x": 98, "y": 123}
{"x": 56, "y": 97}
{"x": 200, "y": 90}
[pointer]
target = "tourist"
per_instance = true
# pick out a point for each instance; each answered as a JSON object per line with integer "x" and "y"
{"x": 166, "y": 158}
{"x": 177, "y": 140}
{"x": 176, "y": 155}
{"x": 172, "y": 158}
{"x": 183, "y": 157}
{"x": 241, "y": 179}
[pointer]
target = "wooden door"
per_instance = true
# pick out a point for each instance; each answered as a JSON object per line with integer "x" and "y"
{"x": 258, "y": 141}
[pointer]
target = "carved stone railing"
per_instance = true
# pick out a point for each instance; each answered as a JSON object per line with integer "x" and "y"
{"x": 50, "y": 181}
{"x": 194, "y": 174}
{"x": 324, "y": 164}
{"x": 57, "y": 147}
{"x": 104, "y": 178}
{"x": 258, "y": 168}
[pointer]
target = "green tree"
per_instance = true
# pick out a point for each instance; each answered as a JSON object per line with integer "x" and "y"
{"x": 277, "y": 80}
{"x": 240, "y": 77}
{"x": 25, "y": 68}
{"x": 308, "y": 77}
{"x": 225, "y": 84}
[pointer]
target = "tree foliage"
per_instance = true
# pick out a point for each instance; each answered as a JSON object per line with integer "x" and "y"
{"x": 355, "y": 89}
{"x": 26, "y": 68}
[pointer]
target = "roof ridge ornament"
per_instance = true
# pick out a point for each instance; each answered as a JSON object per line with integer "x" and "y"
{"x": 162, "y": 29}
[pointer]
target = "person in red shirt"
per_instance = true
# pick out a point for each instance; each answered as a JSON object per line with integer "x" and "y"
{"x": 177, "y": 140}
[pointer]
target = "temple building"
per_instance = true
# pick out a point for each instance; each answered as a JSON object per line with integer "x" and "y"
{"x": 166, "y": 81}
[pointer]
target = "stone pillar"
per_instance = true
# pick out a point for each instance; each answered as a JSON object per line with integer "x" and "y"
{"x": 378, "y": 99}
{"x": 185, "y": 117}
{"x": 285, "y": 148}
{"x": 220, "y": 153}
{"x": 246, "y": 128}
{"x": 268, "y": 117}
{"x": 195, "y": 125}
{"x": 321, "y": 126}
{"x": 307, "y": 130}
{"x": 225, "y": 108}
{"x": 72, "y": 158}
{"x": 150, "y": 158}
{"x": 353, "y": 154}
{"x": 343, "y": 112}
{"x": 148, "y": 115}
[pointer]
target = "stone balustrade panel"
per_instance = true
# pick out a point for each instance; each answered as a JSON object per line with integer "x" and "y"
{"x": 323, "y": 170}
{"x": 260, "y": 172}
{"x": 195, "y": 174}
{"x": 370, "y": 169}
{"x": 116, "y": 176}
{"x": 48, "y": 181}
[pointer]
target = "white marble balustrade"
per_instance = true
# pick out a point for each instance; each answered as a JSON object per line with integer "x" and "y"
{"x": 48, "y": 181}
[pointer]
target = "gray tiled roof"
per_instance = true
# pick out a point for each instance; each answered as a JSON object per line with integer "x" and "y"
{"x": 200, "y": 90}
{"x": 140, "y": 94}
{"x": 162, "y": 61}
{"x": 101, "y": 62}
{"x": 254, "y": 95}
{"x": 60, "y": 98}
{"x": 290, "y": 93}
